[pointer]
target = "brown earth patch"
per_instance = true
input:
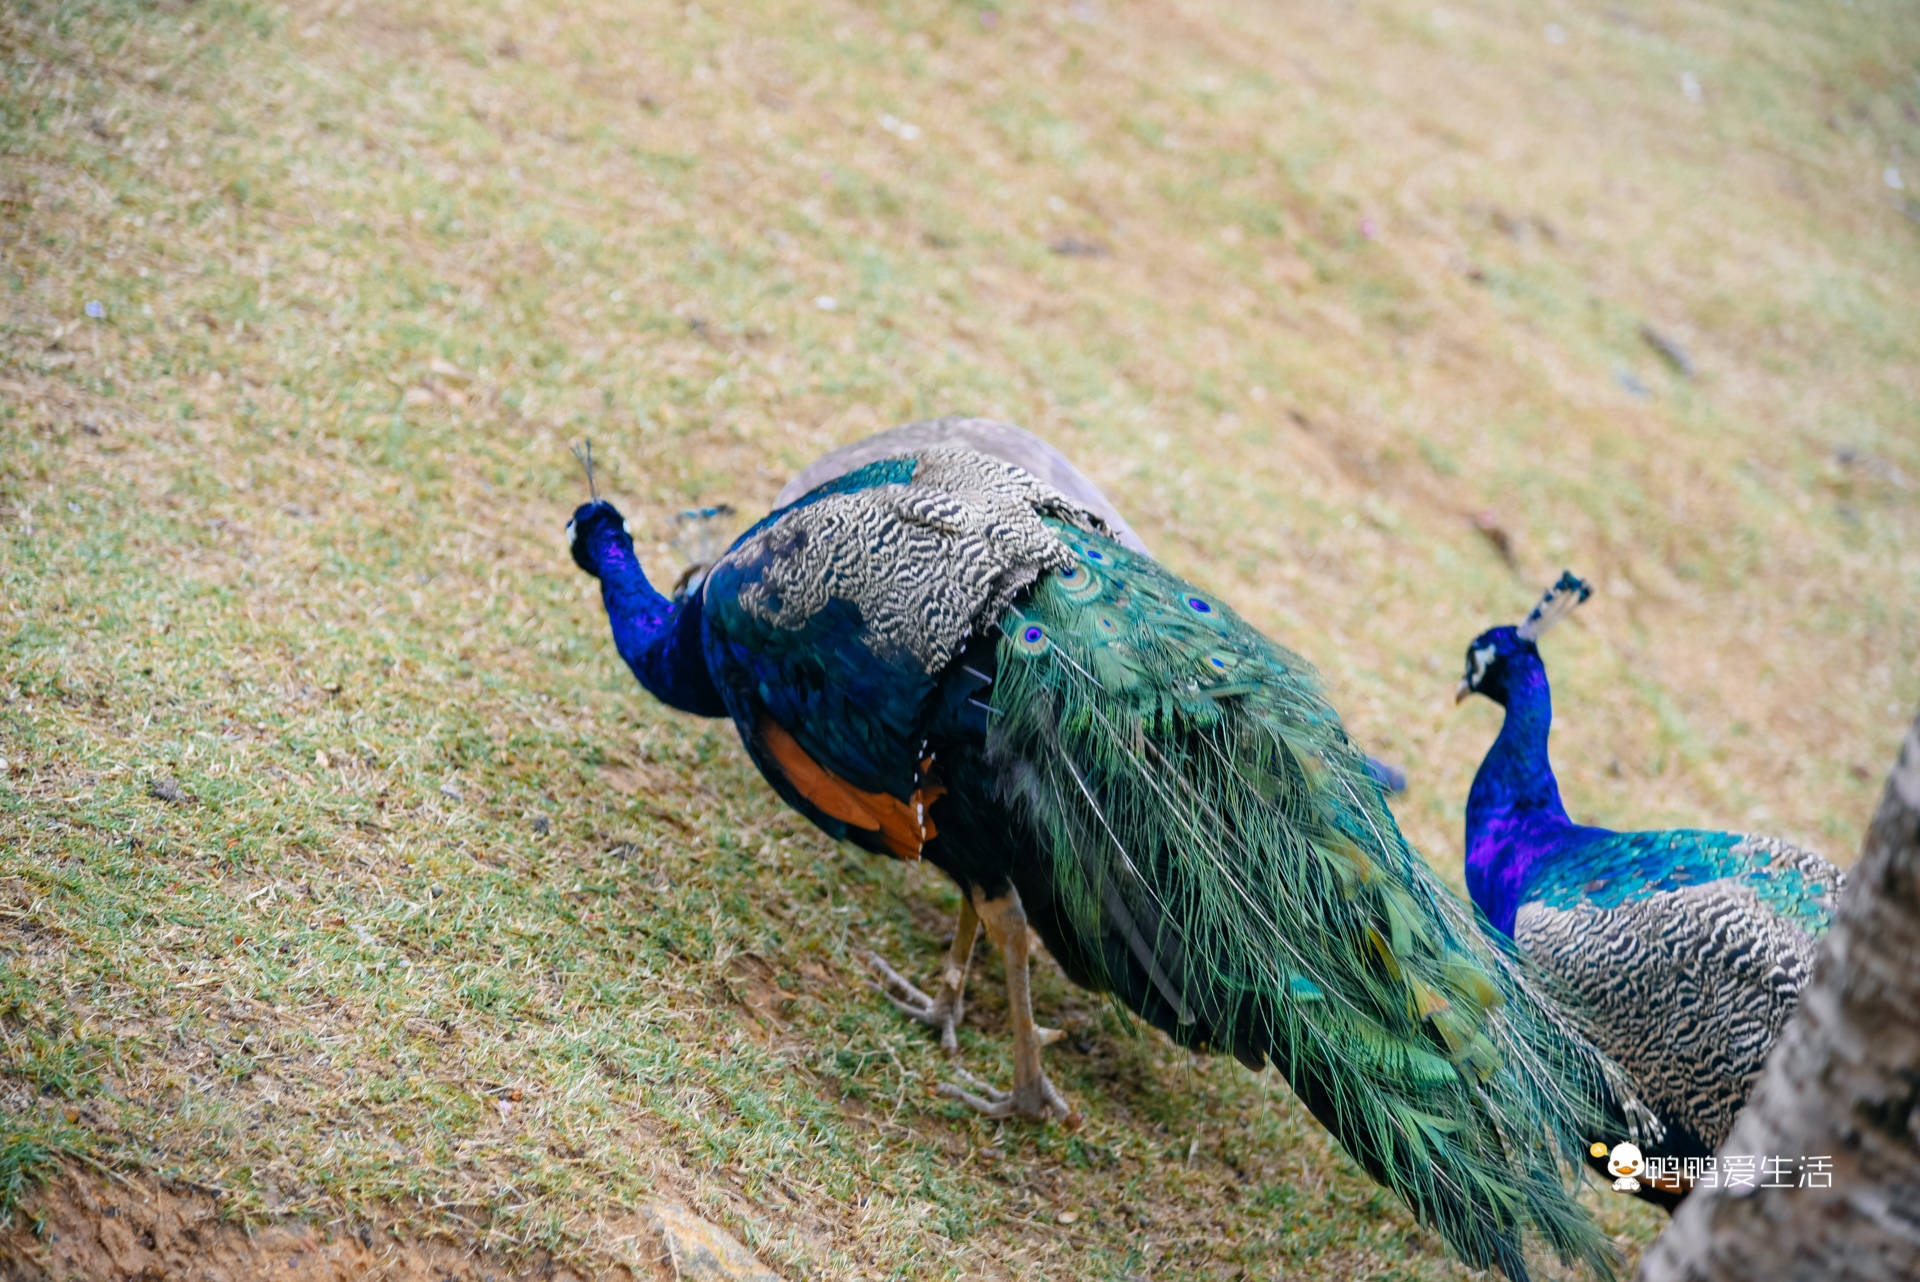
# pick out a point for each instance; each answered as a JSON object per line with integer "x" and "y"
{"x": 86, "y": 1225}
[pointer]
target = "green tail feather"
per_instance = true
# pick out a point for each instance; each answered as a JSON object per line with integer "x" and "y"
{"x": 1201, "y": 804}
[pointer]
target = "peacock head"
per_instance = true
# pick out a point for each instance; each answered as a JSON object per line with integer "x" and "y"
{"x": 596, "y": 526}
{"x": 1491, "y": 655}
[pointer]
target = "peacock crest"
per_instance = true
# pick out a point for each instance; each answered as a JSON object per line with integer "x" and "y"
{"x": 1566, "y": 595}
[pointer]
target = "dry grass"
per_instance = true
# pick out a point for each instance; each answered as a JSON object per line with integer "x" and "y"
{"x": 282, "y": 523}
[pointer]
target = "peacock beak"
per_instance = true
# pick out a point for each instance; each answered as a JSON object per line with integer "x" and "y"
{"x": 1461, "y": 692}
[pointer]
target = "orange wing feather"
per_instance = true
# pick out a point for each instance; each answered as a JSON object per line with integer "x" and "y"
{"x": 902, "y": 825}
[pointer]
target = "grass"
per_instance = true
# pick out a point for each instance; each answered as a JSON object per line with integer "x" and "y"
{"x": 31, "y": 1150}
{"x": 449, "y": 921}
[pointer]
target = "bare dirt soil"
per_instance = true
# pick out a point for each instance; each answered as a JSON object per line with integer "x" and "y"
{"x": 91, "y": 1226}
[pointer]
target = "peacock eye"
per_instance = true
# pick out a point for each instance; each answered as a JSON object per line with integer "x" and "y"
{"x": 1198, "y": 606}
{"x": 1031, "y": 640}
{"x": 1095, "y": 554}
{"x": 1078, "y": 582}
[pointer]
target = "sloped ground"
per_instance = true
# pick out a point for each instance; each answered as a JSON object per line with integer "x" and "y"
{"x": 87, "y": 1228}
{"x": 343, "y": 874}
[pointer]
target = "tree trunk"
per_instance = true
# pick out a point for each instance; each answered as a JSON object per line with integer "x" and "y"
{"x": 1843, "y": 1082}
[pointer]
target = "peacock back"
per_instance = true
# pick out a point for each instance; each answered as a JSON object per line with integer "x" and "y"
{"x": 1687, "y": 950}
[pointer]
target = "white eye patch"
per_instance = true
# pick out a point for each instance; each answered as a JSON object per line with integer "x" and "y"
{"x": 1481, "y": 658}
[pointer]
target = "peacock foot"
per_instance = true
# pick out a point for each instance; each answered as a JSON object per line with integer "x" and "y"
{"x": 942, "y": 1013}
{"x": 1035, "y": 1098}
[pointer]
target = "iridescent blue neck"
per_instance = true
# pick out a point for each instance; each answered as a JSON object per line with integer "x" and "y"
{"x": 1514, "y": 814}
{"x": 659, "y": 638}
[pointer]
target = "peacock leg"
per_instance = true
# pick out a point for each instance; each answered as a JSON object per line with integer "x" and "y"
{"x": 1032, "y": 1094}
{"x": 943, "y": 1010}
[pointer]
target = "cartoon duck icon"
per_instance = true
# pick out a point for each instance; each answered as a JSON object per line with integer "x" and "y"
{"x": 1623, "y": 1164}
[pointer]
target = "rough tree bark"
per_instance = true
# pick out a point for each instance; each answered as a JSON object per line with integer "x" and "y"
{"x": 1843, "y": 1081}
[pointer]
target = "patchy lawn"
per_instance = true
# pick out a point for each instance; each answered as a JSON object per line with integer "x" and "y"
{"x": 345, "y": 876}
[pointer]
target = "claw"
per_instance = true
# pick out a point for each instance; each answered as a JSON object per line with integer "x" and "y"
{"x": 1036, "y": 1099}
{"x": 940, "y": 1013}
{"x": 894, "y": 981}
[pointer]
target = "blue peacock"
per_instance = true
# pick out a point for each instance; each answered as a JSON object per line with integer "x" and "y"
{"x": 1684, "y": 951}
{"x": 939, "y": 656}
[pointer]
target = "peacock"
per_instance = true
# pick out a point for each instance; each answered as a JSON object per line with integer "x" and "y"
{"x": 1683, "y": 950}
{"x": 939, "y": 656}
{"x": 1009, "y": 443}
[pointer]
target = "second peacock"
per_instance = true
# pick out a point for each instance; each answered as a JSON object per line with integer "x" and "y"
{"x": 940, "y": 656}
{"x": 1683, "y": 951}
